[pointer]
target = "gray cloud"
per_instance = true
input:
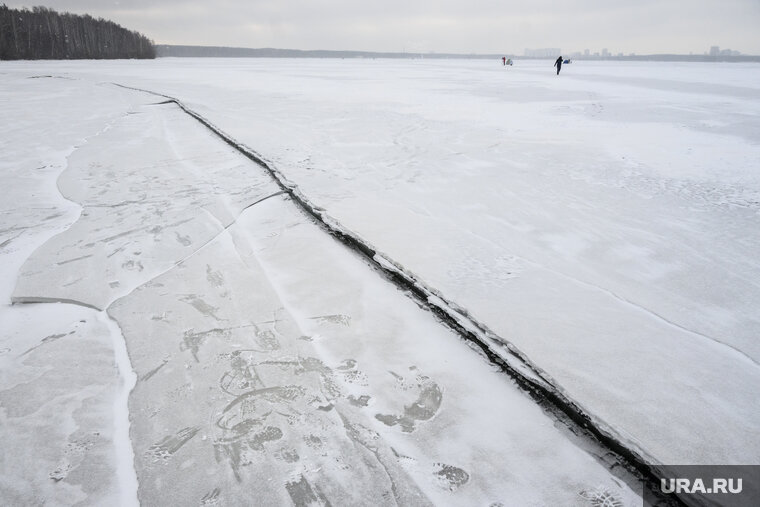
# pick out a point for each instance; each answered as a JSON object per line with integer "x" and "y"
{"x": 485, "y": 26}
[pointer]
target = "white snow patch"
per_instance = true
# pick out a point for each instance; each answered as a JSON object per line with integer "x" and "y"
{"x": 125, "y": 457}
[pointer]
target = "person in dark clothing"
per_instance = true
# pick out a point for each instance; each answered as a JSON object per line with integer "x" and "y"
{"x": 558, "y": 64}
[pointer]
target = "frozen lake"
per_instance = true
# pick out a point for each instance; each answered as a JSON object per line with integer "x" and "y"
{"x": 603, "y": 223}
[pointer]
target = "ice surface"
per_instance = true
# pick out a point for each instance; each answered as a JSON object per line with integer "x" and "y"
{"x": 271, "y": 362}
{"x": 155, "y": 199}
{"x": 322, "y": 376}
{"x": 58, "y": 383}
{"x": 603, "y": 222}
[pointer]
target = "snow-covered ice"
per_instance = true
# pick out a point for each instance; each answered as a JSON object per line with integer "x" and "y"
{"x": 63, "y": 408}
{"x": 603, "y": 223}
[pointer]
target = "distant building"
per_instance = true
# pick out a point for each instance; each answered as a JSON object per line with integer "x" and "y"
{"x": 605, "y": 53}
{"x": 620, "y": 54}
{"x": 714, "y": 50}
{"x": 586, "y": 52}
{"x": 543, "y": 52}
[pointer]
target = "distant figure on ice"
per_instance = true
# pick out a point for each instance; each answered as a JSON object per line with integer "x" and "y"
{"x": 503, "y": 60}
{"x": 558, "y": 64}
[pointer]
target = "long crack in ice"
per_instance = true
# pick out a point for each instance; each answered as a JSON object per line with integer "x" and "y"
{"x": 532, "y": 378}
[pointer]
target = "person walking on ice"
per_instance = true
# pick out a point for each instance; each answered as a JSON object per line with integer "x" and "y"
{"x": 558, "y": 64}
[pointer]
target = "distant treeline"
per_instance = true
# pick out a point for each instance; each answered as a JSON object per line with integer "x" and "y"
{"x": 232, "y": 52}
{"x": 42, "y": 33}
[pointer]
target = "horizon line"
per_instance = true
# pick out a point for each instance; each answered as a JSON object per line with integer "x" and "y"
{"x": 572, "y": 54}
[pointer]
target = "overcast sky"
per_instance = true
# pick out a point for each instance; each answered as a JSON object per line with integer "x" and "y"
{"x": 451, "y": 26}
